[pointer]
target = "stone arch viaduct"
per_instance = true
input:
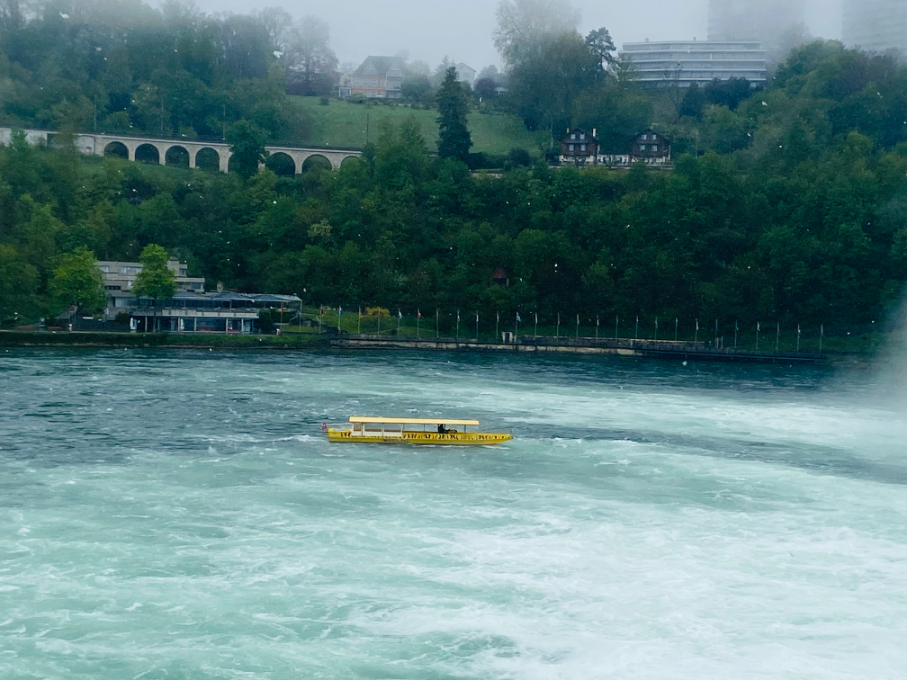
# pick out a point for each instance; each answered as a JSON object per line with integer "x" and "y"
{"x": 101, "y": 144}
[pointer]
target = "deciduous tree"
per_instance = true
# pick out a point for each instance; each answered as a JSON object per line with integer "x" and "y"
{"x": 313, "y": 64}
{"x": 156, "y": 280}
{"x": 247, "y": 144}
{"x": 525, "y": 27}
{"x": 77, "y": 281}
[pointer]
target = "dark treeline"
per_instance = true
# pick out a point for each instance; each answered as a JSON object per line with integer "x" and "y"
{"x": 122, "y": 66}
{"x": 796, "y": 214}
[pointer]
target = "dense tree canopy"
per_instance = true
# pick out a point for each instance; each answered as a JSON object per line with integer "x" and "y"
{"x": 121, "y": 66}
{"x": 789, "y": 207}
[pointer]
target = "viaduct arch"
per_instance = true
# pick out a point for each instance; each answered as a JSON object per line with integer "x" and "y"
{"x": 108, "y": 144}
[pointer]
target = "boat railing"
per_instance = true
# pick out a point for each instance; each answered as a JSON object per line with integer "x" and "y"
{"x": 410, "y": 435}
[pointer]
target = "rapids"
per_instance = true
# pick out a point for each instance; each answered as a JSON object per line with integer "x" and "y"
{"x": 180, "y": 515}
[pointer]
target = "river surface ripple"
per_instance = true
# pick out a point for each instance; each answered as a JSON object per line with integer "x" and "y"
{"x": 180, "y": 515}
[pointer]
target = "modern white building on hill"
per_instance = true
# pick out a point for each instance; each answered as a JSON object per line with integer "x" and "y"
{"x": 680, "y": 63}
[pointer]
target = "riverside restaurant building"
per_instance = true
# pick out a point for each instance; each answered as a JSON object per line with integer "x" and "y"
{"x": 190, "y": 312}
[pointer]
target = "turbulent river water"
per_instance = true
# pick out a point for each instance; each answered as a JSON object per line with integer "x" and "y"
{"x": 180, "y": 515}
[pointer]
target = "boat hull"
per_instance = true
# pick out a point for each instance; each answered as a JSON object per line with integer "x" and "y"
{"x": 434, "y": 438}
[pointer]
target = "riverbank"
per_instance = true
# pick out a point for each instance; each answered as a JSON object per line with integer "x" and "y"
{"x": 666, "y": 349}
{"x": 164, "y": 340}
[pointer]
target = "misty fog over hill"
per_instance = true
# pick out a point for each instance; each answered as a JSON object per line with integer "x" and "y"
{"x": 429, "y": 30}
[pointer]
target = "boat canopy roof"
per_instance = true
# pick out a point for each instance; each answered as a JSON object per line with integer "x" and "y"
{"x": 411, "y": 421}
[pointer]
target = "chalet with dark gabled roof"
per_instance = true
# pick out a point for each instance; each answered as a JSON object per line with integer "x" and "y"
{"x": 579, "y": 147}
{"x": 648, "y": 146}
{"x": 379, "y": 77}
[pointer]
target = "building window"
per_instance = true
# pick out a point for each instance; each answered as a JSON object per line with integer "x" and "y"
{"x": 573, "y": 136}
{"x": 570, "y": 147}
{"x": 643, "y": 147}
{"x": 583, "y": 146}
{"x": 582, "y": 135}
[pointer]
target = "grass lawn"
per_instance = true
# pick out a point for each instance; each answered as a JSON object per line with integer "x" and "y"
{"x": 343, "y": 124}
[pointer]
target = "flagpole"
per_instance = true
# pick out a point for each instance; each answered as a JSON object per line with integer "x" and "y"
{"x": 656, "y": 336}
{"x": 399, "y": 317}
{"x": 676, "y": 329}
{"x": 577, "y": 334}
{"x": 558, "y": 327}
{"x": 536, "y": 325}
{"x": 758, "y": 336}
{"x": 696, "y": 329}
{"x": 821, "y": 338}
{"x": 597, "y": 328}
{"x": 616, "y": 328}
{"x": 359, "y": 320}
{"x": 379, "y": 320}
{"x": 418, "y": 317}
{"x": 778, "y": 332}
{"x": 497, "y": 321}
{"x": 798, "y": 344}
{"x": 636, "y": 327}
{"x": 436, "y": 323}
{"x": 477, "y": 325}
{"x": 516, "y": 319}
{"x": 457, "y": 332}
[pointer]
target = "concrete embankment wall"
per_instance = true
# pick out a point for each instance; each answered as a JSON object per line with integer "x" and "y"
{"x": 467, "y": 345}
{"x": 621, "y": 347}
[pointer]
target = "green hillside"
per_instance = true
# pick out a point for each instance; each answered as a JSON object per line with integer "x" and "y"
{"x": 343, "y": 124}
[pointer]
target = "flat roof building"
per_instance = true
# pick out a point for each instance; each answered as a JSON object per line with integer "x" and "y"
{"x": 188, "y": 312}
{"x": 680, "y": 63}
{"x": 121, "y": 276}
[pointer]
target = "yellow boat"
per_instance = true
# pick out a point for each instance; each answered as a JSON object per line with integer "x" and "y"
{"x": 376, "y": 430}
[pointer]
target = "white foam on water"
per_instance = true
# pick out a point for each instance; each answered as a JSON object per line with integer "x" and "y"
{"x": 653, "y": 531}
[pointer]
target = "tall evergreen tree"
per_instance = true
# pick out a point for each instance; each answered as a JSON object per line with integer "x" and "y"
{"x": 453, "y": 136}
